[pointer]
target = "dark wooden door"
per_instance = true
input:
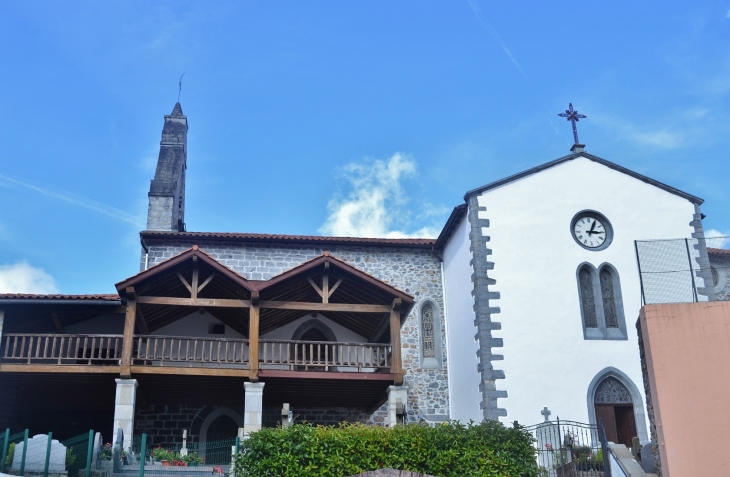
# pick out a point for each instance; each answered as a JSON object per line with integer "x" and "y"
{"x": 625, "y": 424}
{"x": 606, "y": 412}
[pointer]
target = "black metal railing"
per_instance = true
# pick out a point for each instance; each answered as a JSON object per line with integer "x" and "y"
{"x": 570, "y": 449}
{"x": 683, "y": 270}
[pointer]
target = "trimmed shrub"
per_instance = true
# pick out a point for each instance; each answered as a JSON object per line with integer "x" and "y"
{"x": 446, "y": 450}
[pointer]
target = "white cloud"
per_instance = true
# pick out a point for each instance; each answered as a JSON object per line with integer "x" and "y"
{"x": 24, "y": 278}
{"x": 717, "y": 239}
{"x": 376, "y": 202}
{"x": 66, "y": 196}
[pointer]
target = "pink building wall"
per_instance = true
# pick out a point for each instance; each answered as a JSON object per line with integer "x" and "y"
{"x": 687, "y": 348}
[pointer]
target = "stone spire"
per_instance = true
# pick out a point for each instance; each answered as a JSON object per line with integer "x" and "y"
{"x": 167, "y": 192}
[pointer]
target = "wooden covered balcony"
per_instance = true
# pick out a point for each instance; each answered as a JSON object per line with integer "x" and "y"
{"x": 193, "y": 282}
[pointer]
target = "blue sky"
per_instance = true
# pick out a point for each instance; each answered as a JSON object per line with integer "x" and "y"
{"x": 360, "y": 117}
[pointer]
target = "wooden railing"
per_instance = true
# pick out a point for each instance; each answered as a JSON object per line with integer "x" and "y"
{"x": 324, "y": 356}
{"x": 190, "y": 351}
{"x": 185, "y": 351}
{"x": 25, "y": 348}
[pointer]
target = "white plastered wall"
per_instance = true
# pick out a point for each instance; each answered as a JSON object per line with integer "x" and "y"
{"x": 461, "y": 345}
{"x": 341, "y": 333}
{"x": 547, "y": 362}
{"x": 196, "y": 324}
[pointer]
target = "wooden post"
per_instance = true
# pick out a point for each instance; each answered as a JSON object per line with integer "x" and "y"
{"x": 326, "y": 283}
{"x": 128, "y": 338}
{"x": 253, "y": 338}
{"x": 396, "y": 366}
{"x": 194, "y": 284}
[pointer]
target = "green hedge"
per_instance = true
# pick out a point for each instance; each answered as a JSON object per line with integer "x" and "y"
{"x": 446, "y": 450}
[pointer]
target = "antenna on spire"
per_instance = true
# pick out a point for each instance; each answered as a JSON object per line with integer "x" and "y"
{"x": 179, "y": 87}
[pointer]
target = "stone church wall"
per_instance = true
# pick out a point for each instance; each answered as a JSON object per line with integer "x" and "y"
{"x": 415, "y": 271}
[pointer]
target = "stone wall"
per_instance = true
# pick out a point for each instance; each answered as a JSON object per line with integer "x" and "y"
{"x": 320, "y": 416}
{"x": 720, "y": 275}
{"x": 649, "y": 405}
{"x": 164, "y": 424}
{"x": 414, "y": 271}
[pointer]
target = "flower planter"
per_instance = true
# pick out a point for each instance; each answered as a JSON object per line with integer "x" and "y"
{"x": 166, "y": 464}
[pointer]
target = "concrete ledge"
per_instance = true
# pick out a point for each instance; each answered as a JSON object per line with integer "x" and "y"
{"x": 625, "y": 460}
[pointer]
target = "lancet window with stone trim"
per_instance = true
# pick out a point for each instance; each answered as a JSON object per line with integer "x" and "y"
{"x": 600, "y": 302}
{"x": 428, "y": 340}
{"x": 588, "y": 299}
{"x": 609, "y": 298}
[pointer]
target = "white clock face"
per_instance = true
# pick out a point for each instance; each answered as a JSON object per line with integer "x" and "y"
{"x": 590, "y": 231}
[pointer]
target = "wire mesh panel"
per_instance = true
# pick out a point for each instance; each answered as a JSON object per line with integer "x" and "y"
{"x": 568, "y": 449}
{"x": 77, "y": 453}
{"x": 192, "y": 460}
{"x": 683, "y": 270}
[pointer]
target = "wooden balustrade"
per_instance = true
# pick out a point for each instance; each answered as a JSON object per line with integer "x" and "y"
{"x": 185, "y": 351}
{"x": 190, "y": 351}
{"x": 324, "y": 355}
{"x": 26, "y": 348}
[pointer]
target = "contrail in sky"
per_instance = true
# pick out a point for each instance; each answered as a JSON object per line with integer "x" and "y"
{"x": 478, "y": 13}
{"x": 72, "y": 198}
{"x": 495, "y": 35}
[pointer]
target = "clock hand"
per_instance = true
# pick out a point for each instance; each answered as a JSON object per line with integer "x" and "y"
{"x": 592, "y": 227}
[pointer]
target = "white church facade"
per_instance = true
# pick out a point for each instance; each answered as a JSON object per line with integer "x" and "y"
{"x": 527, "y": 300}
{"x": 552, "y": 303}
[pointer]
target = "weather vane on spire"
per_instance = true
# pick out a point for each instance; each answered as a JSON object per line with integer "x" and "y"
{"x": 179, "y": 88}
{"x": 572, "y": 116}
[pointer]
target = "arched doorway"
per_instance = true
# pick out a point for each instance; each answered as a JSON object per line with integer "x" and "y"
{"x": 614, "y": 404}
{"x": 217, "y": 432}
{"x": 223, "y": 427}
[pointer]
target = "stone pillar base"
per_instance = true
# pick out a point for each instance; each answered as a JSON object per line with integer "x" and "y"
{"x": 124, "y": 409}
{"x": 254, "y": 409}
{"x": 397, "y": 397}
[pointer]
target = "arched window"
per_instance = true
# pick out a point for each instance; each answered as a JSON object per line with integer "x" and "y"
{"x": 587, "y": 297}
{"x": 601, "y": 305}
{"x": 430, "y": 334}
{"x": 427, "y": 335}
{"x": 609, "y": 299}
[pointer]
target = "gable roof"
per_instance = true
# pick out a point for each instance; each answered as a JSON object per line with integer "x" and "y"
{"x": 590, "y": 157}
{"x": 327, "y": 258}
{"x": 178, "y": 259}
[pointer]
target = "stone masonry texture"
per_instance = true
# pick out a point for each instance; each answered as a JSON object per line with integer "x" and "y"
{"x": 415, "y": 271}
{"x": 483, "y": 312}
{"x": 649, "y": 403}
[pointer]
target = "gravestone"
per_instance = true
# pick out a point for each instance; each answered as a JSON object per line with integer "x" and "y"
{"x": 647, "y": 459}
{"x": 96, "y": 449}
{"x": 548, "y": 442}
{"x": 35, "y": 456}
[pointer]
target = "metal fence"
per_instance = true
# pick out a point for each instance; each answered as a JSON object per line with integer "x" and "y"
{"x": 41, "y": 454}
{"x": 570, "y": 449}
{"x": 683, "y": 270}
{"x": 190, "y": 460}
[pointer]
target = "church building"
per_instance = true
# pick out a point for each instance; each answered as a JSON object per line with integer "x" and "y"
{"x": 524, "y": 307}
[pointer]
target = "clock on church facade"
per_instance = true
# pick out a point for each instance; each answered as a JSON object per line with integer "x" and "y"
{"x": 591, "y": 230}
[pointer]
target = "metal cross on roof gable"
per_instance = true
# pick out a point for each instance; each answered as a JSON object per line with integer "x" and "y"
{"x": 546, "y": 412}
{"x": 573, "y": 117}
